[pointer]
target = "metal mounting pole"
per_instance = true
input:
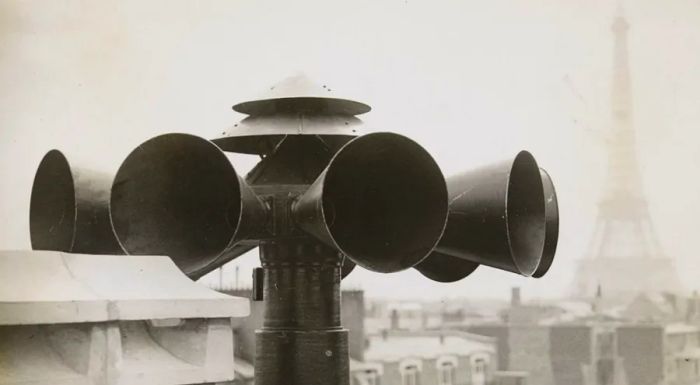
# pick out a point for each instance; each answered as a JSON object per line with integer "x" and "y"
{"x": 301, "y": 341}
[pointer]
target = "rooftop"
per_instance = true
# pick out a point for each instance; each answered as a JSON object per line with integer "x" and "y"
{"x": 679, "y": 328}
{"x": 394, "y": 346}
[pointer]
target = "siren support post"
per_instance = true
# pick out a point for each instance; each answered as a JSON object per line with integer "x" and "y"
{"x": 301, "y": 341}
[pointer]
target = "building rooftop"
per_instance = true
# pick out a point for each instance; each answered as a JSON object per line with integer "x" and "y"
{"x": 689, "y": 354}
{"x": 680, "y": 328}
{"x": 394, "y": 346}
{"x": 243, "y": 369}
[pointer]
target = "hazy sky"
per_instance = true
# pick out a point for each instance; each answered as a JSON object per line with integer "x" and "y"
{"x": 470, "y": 80}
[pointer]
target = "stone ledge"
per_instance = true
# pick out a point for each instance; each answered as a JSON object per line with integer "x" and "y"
{"x": 46, "y": 287}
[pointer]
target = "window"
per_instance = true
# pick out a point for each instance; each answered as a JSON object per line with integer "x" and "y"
{"x": 479, "y": 365}
{"x": 446, "y": 374}
{"x": 409, "y": 376}
{"x": 479, "y": 368}
{"x": 372, "y": 377}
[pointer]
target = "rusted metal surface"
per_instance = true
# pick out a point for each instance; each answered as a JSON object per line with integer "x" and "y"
{"x": 69, "y": 208}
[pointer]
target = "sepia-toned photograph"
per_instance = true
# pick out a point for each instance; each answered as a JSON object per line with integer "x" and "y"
{"x": 349, "y": 192}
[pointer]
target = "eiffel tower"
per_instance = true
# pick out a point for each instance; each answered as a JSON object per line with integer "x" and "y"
{"x": 624, "y": 257}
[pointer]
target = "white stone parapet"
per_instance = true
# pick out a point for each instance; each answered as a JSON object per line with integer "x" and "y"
{"x": 111, "y": 319}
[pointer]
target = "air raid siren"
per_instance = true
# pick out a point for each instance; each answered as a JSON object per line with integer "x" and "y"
{"x": 323, "y": 198}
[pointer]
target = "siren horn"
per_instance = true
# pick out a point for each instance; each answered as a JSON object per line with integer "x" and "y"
{"x": 551, "y": 213}
{"x": 381, "y": 201}
{"x": 445, "y": 268}
{"x": 496, "y": 218}
{"x": 179, "y": 195}
{"x": 69, "y": 208}
{"x": 347, "y": 267}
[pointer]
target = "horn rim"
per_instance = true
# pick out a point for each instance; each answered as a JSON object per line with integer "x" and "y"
{"x": 433, "y": 267}
{"x": 346, "y": 159}
{"x": 524, "y": 182}
{"x": 53, "y": 163}
{"x": 190, "y": 250}
{"x": 551, "y": 210}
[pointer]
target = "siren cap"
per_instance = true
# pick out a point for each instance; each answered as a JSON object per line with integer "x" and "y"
{"x": 300, "y": 94}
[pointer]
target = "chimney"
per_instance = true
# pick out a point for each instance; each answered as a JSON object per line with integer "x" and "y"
{"x": 596, "y": 305}
{"x": 515, "y": 297}
{"x": 394, "y": 319}
{"x": 692, "y": 309}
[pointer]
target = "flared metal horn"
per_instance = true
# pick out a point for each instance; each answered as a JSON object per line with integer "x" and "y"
{"x": 234, "y": 252}
{"x": 179, "y": 195}
{"x": 382, "y": 201}
{"x": 445, "y": 268}
{"x": 551, "y": 212}
{"x": 497, "y": 216}
{"x": 347, "y": 267}
{"x": 69, "y": 208}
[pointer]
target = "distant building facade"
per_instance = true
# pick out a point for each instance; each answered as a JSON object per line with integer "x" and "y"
{"x": 430, "y": 357}
{"x": 660, "y": 354}
{"x": 652, "y": 341}
{"x": 391, "y": 355}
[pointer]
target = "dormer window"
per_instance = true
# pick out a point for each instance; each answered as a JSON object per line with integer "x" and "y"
{"x": 479, "y": 369}
{"x": 446, "y": 367}
{"x": 446, "y": 374}
{"x": 372, "y": 377}
{"x": 410, "y": 375}
{"x": 410, "y": 370}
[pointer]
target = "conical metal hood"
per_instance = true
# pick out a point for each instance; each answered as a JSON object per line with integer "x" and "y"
{"x": 300, "y": 94}
{"x": 295, "y": 106}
